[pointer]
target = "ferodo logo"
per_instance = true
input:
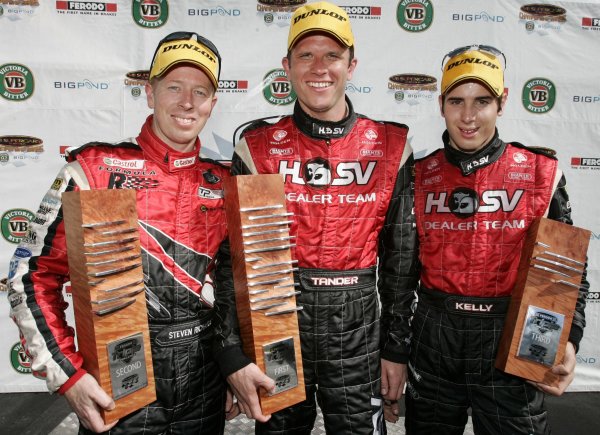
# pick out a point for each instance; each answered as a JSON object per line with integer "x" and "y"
{"x": 86, "y": 8}
{"x": 16, "y": 82}
{"x": 415, "y": 15}
{"x": 363, "y": 12}
{"x": 150, "y": 13}
{"x": 19, "y": 359}
{"x": 539, "y": 95}
{"x": 277, "y": 89}
{"x": 15, "y": 224}
{"x": 21, "y": 143}
{"x": 585, "y": 163}
{"x": 589, "y": 23}
{"x": 233, "y": 86}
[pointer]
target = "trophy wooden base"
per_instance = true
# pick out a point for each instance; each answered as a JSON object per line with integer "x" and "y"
{"x": 108, "y": 295}
{"x": 538, "y": 322}
{"x": 257, "y": 222}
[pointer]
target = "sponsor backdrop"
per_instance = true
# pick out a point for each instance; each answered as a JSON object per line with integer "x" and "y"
{"x": 73, "y": 72}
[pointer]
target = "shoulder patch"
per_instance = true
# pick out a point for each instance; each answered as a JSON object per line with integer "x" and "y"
{"x": 74, "y": 152}
{"x": 396, "y": 124}
{"x": 225, "y": 164}
{"x": 253, "y": 125}
{"x": 548, "y": 152}
{"x": 431, "y": 154}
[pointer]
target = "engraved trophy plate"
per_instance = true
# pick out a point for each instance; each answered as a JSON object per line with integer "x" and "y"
{"x": 541, "y": 335}
{"x": 538, "y": 321}
{"x": 280, "y": 364}
{"x": 127, "y": 365}
{"x": 265, "y": 291}
{"x": 109, "y": 301}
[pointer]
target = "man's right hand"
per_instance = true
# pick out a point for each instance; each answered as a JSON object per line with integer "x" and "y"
{"x": 86, "y": 398}
{"x": 245, "y": 384}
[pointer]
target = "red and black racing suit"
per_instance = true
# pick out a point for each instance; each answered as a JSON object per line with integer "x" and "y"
{"x": 348, "y": 185}
{"x": 181, "y": 225}
{"x": 473, "y": 212}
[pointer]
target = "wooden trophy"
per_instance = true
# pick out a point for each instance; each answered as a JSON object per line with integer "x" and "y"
{"x": 265, "y": 293}
{"x": 109, "y": 301}
{"x": 538, "y": 321}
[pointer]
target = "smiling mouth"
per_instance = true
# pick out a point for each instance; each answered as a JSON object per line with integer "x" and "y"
{"x": 469, "y": 131}
{"x": 319, "y": 84}
{"x": 185, "y": 121}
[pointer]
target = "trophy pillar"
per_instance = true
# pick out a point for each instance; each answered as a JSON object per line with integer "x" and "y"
{"x": 265, "y": 292}
{"x": 538, "y": 321}
{"x": 107, "y": 283}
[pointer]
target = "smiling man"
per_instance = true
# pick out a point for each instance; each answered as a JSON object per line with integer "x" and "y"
{"x": 348, "y": 184}
{"x": 182, "y": 223}
{"x": 474, "y": 202}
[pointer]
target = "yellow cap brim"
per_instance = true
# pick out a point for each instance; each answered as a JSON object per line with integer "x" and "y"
{"x": 474, "y": 65}
{"x": 189, "y": 51}
{"x": 321, "y": 17}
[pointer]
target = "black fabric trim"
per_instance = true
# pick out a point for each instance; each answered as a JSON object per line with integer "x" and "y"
{"x": 470, "y": 162}
{"x": 319, "y": 129}
{"x": 128, "y": 145}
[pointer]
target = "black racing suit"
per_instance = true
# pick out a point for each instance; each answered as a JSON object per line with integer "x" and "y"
{"x": 473, "y": 212}
{"x": 181, "y": 225}
{"x": 349, "y": 187}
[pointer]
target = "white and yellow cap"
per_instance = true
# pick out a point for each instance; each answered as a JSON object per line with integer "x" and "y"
{"x": 186, "y": 47}
{"x": 474, "y": 64}
{"x": 321, "y": 17}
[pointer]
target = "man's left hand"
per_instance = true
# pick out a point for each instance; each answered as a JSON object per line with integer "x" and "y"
{"x": 565, "y": 371}
{"x": 393, "y": 378}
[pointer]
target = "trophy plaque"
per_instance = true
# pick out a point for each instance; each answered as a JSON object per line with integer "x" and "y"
{"x": 265, "y": 291}
{"x": 538, "y": 321}
{"x": 109, "y": 301}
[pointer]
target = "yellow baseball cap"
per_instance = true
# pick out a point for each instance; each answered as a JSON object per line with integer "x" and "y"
{"x": 321, "y": 17}
{"x": 186, "y": 47}
{"x": 474, "y": 63}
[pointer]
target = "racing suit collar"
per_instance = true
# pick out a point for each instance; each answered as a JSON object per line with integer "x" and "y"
{"x": 469, "y": 163}
{"x": 316, "y": 128}
{"x": 169, "y": 159}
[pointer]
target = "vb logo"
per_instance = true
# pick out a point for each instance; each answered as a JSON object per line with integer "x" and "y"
{"x": 16, "y": 82}
{"x": 277, "y": 88}
{"x": 415, "y": 15}
{"x": 539, "y": 95}
{"x": 150, "y": 13}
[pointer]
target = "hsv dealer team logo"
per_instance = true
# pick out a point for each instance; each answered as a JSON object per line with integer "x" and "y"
{"x": 16, "y": 82}
{"x": 150, "y": 13}
{"x": 415, "y": 15}
{"x": 539, "y": 95}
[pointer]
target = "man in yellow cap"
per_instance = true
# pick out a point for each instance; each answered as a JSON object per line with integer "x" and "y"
{"x": 348, "y": 184}
{"x": 474, "y": 202}
{"x": 182, "y": 223}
